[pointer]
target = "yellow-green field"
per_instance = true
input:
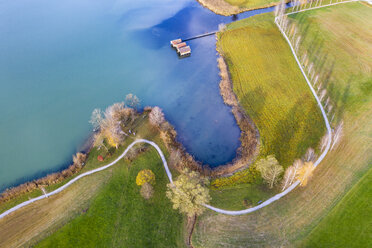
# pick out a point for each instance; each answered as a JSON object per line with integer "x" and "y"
{"x": 270, "y": 87}
{"x": 294, "y": 219}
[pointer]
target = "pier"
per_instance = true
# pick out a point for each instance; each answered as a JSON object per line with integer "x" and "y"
{"x": 200, "y": 36}
{"x": 181, "y": 46}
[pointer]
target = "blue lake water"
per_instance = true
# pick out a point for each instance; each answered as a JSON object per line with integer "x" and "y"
{"x": 61, "y": 59}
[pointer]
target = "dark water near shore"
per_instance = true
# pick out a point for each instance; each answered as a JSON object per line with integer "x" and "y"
{"x": 61, "y": 59}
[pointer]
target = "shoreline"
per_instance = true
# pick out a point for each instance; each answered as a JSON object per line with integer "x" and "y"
{"x": 246, "y": 153}
{"x": 220, "y": 7}
{"x": 249, "y": 135}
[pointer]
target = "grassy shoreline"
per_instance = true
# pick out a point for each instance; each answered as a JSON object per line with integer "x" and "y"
{"x": 233, "y": 7}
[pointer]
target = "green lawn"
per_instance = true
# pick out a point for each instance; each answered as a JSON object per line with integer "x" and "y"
{"x": 271, "y": 88}
{"x": 120, "y": 217}
{"x": 349, "y": 223}
{"x": 344, "y": 33}
{"x": 240, "y": 197}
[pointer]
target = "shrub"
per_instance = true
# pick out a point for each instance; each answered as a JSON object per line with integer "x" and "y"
{"x": 79, "y": 159}
{"x": 145, "y": 176}
{"x": 147, "y": 191}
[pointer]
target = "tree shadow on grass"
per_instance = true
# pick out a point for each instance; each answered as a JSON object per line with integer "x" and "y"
{"x": 255, "y": 101}
{"x": 284, "y": 131}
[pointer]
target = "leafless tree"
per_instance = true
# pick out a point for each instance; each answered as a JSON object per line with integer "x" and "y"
{"x": 132, "y": 101}
{"x": 324, "y": 142}
{"x": 221, "y": 27}
{"x": 289, "y": 175}
{"x": 96, "y": 119}
{"x": 323, "y": 93}
{"x": 327, "y": 102}
{"x": 330, "y": 107}
{"x": 99, "y": 139}
{"x": 319, "y": 87}
{"x": 111, "y": 125}
{"x": 337, "y": 134}
{"x": 156, "y": 116}
{"x": 309, "y": 155}
{"x": 316, "y": 79}
{"x": 297, "y": 43}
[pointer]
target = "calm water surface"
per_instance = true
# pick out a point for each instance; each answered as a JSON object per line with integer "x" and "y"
{"x": 61, "y": 59}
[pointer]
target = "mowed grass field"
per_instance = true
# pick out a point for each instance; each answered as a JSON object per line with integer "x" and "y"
{"x": 108, "y": 194}
{"x": 293, "y": 220}
{"x": 271, "y": 88}
{"x": 349, "y": 223}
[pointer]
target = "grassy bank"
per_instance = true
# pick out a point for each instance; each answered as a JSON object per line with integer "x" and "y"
{"x": 231, "y": 7}
{"x": 290, "y": 220}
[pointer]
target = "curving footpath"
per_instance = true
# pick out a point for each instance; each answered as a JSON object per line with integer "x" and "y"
{"x": 169, "y": 174}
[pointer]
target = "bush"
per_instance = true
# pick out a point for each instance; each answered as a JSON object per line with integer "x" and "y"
{"x": 145, "y": 176}
{"x": 147, "y": 191}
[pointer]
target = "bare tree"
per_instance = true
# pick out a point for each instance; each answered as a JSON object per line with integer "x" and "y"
{"x": 297, "y": 43}
{"x": 327, "y": 102}
{"x": 324, "y": 142}
{"x": 132, "y": 101}
{"x": 99, "y": 139}
{"x": 337, "y": 134}
{"x": 316, "y": 79}
{"x": 319, "y": 87}
{"x": 96, "y": 119}
{"x": 309, "y": 155}
{"x": 221, "y": 27}
{"x": 156, "y": 116}
{"x": 289, "y": 175}
{"x": 322, "y": 94}
{"x": 111, "y": 125}
{"x": 79, "y": 159}
{"x": 330, "y": 107}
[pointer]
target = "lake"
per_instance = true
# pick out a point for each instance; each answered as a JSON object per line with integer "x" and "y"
{"x": 61, "y": 59}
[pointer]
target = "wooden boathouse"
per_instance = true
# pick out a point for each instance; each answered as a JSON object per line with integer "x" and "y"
{"x": 182, "y": 48}
{"x": 184, "y": 51}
